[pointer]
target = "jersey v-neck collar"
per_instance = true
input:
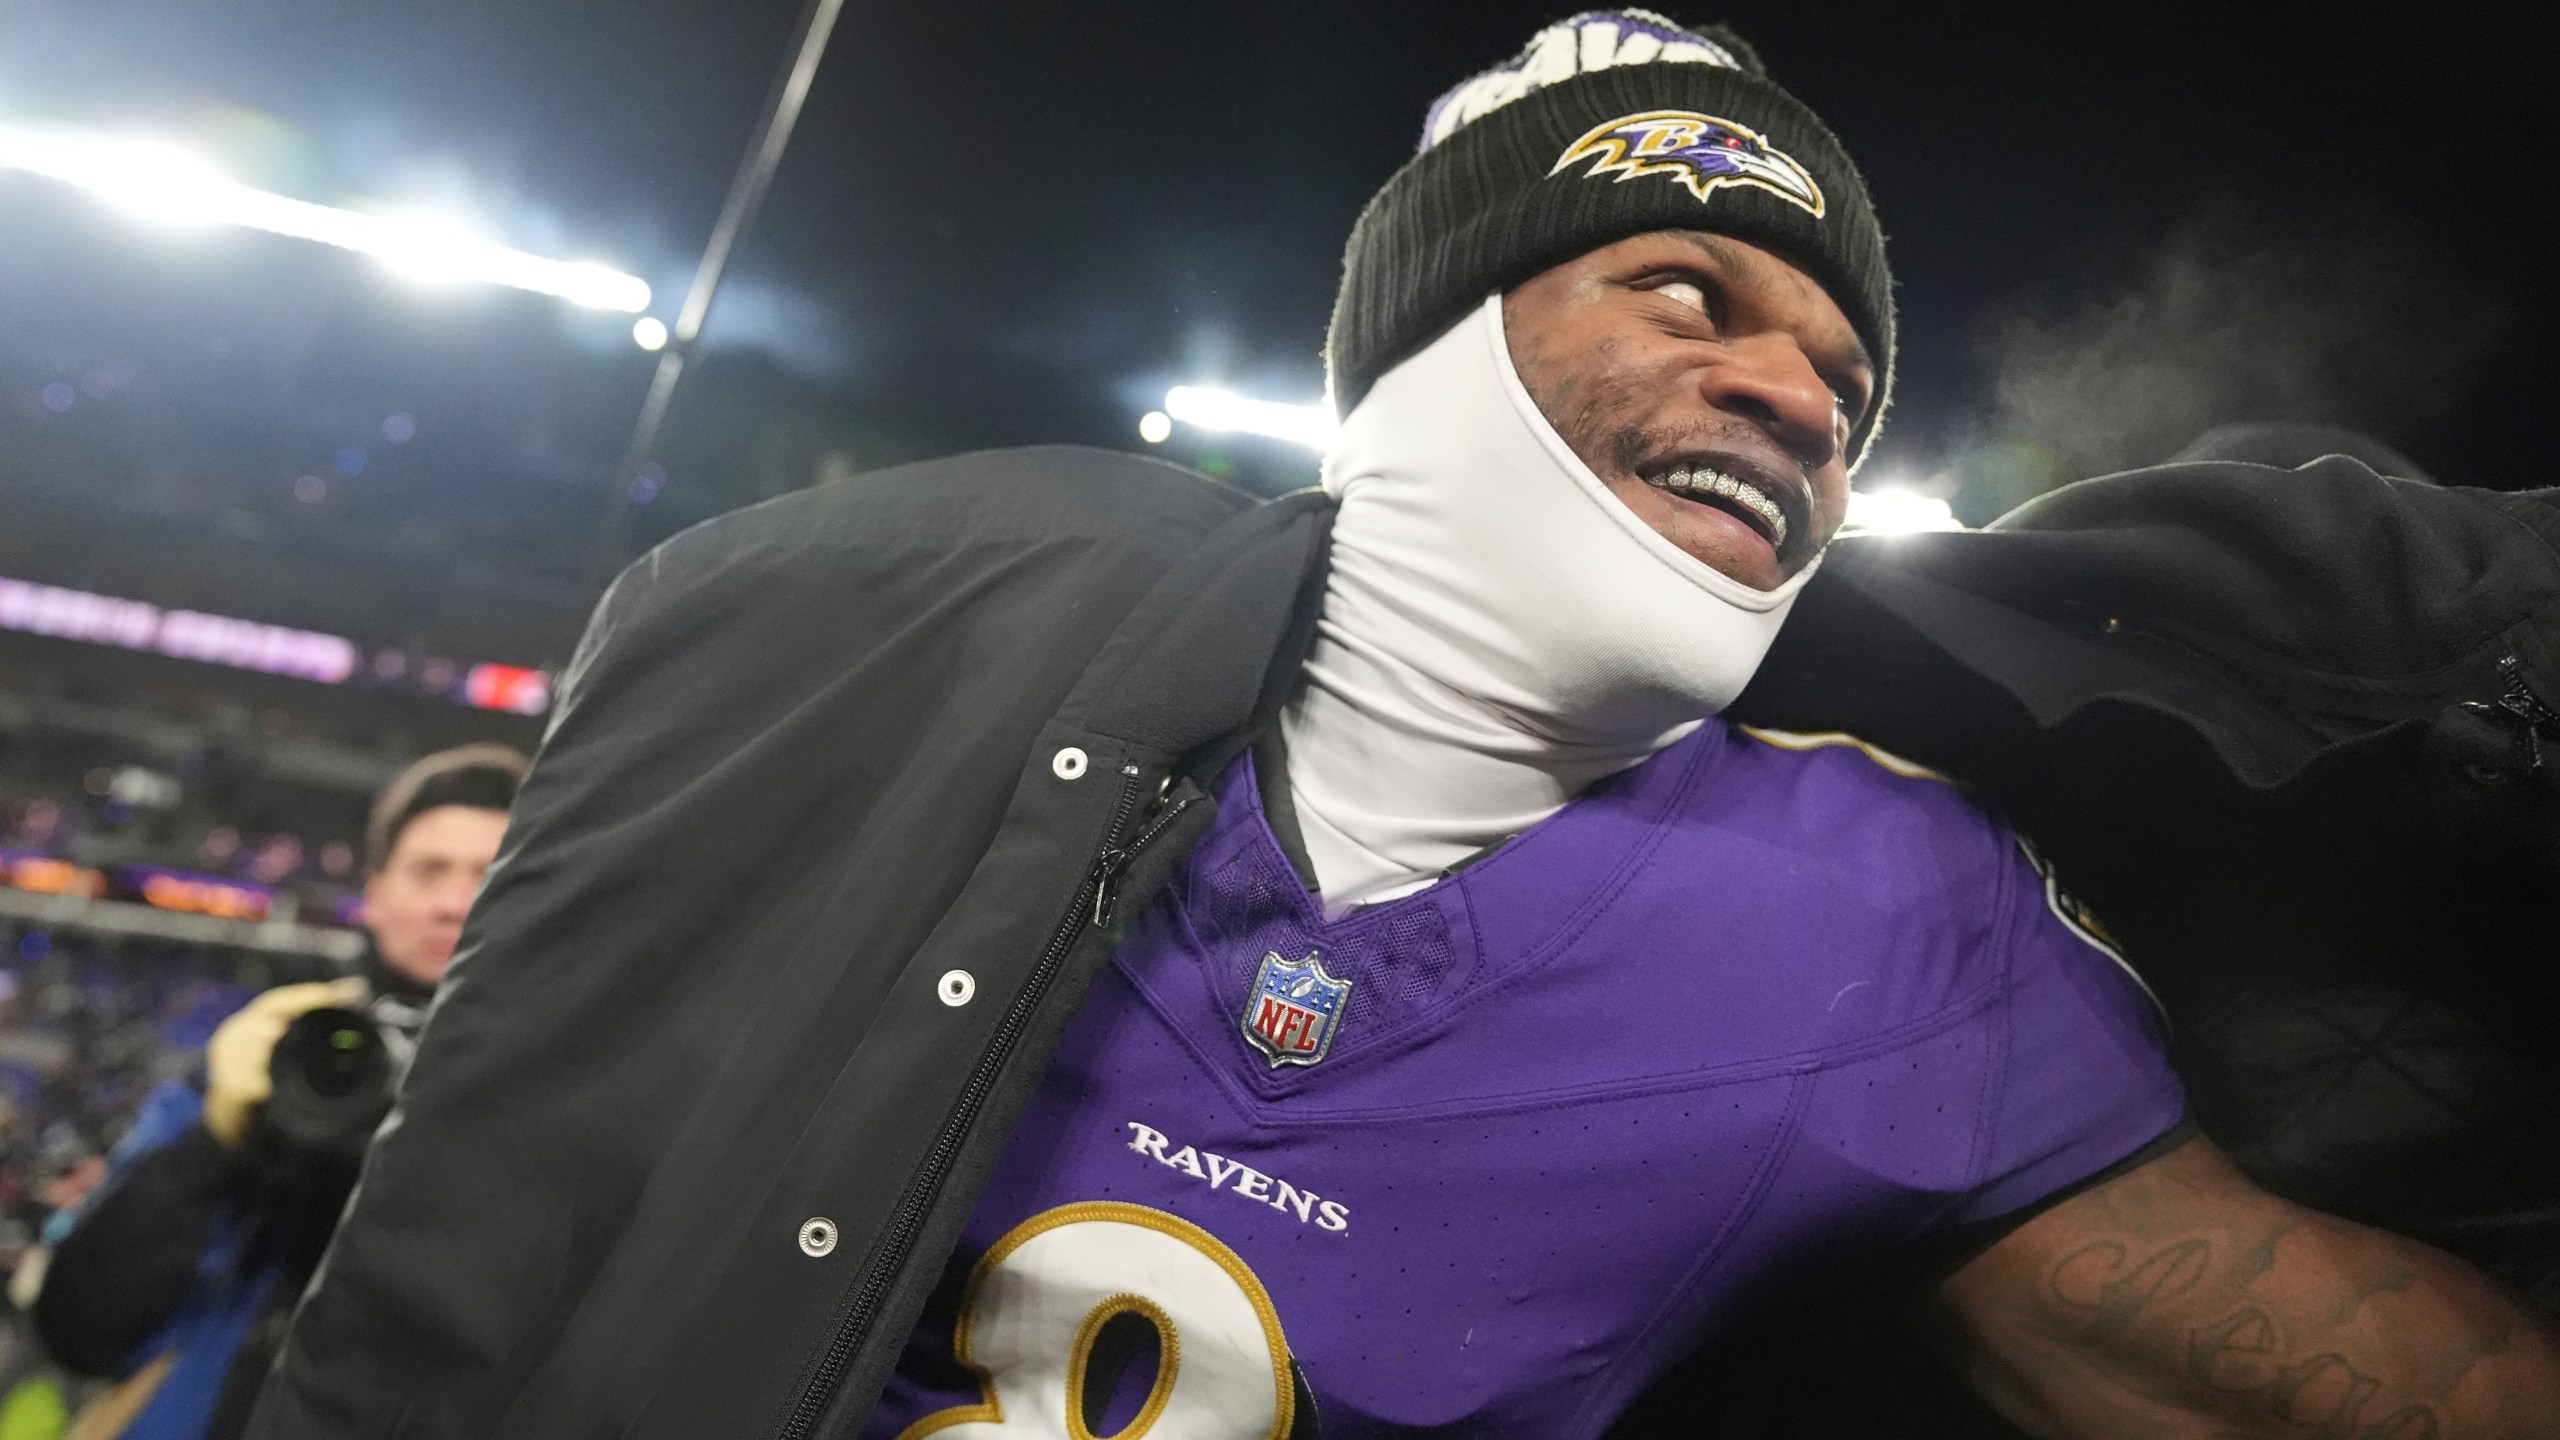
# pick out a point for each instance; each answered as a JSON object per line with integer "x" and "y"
{"x": 1270, "y": 762}
{"x": 1415, "y": 961}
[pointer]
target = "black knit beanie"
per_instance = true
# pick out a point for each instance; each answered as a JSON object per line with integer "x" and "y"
{"x": 1610, "y": 124}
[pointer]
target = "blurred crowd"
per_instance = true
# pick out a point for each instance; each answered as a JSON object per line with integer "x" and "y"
{"x": 87, "y": 1028}
{"x": 170, "y": 849}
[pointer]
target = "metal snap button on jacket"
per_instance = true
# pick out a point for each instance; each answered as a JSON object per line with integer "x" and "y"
{"x": 1068, "y": 764}
{"x": 957, "y": 987}
{"x": 817, "y": 1235}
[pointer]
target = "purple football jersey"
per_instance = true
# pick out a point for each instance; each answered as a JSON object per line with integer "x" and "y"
{"x": 1487, "y": 1159}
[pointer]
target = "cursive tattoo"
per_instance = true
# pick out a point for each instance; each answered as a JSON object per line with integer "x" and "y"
{"x": 2178, "y": 1300}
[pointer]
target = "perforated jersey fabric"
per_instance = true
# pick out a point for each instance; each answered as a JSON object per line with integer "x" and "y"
{"x": 1740, "y": 1016}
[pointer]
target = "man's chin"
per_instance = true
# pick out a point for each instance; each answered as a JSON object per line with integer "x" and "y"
{"x": 1745, "y": 557}
{"x": 426, "y": 969}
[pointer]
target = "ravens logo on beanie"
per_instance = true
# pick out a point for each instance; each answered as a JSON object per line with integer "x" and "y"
{"x": 1610, "y": 124}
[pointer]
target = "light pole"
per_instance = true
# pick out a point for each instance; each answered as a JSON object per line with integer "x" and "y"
{"x": 746, "y": 193}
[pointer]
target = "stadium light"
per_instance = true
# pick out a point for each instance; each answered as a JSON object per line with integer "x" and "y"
{"x": 1211, "y": 408}
{"x": 649, "y": 333}
{"x": 1896, "y": 511}
{"x": 167, "y": 185}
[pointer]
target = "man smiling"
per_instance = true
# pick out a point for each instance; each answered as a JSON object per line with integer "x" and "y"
{"x": 1218, "y": 975}
{"x": 1756, "y": 446}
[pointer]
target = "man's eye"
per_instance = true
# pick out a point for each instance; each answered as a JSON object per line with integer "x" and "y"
{"x": 1685, "y": 292}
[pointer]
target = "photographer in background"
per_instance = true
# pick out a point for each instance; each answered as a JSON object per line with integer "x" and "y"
{"x": 180, "y": 1274}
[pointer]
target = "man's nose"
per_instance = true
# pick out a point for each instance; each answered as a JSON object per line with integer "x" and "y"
{"x": 454, "y": 897}
{"x": 1768, "y": 381}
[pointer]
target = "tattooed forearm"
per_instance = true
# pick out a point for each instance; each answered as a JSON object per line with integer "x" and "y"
{"x": 2238, "y": 1357}
{"x": 2180, "y": 1301}
{"x": 2113, "y": 1288}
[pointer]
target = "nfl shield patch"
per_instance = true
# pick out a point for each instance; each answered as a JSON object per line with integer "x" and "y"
{"x": 1293, "y": 1009}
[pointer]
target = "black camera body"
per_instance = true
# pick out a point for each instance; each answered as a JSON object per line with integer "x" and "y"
{"x": 333, "y": 1073}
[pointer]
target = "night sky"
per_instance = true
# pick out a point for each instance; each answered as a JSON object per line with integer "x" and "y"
{"x": 1006, "y": 222}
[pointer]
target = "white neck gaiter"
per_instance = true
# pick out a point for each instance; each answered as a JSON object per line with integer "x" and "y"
{"x": 1499, "y": 631}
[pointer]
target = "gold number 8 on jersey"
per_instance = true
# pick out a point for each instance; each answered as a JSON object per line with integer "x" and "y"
{"x": 1041, "y": 1296}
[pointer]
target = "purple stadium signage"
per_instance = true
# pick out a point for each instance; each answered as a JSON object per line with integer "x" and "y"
{"x": 66, "y": 614}
{"x": 186, "y": 634}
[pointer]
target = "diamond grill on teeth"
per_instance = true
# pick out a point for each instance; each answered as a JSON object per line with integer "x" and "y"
{"x": 1694, "y": 480}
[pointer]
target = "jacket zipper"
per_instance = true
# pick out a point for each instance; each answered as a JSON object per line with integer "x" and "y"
{"x": 1113, "y": 862}
{"x": 1091, "y": 906}
{"x": 2520, "y": 707}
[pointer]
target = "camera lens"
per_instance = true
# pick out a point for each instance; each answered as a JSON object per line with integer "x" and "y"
{"x": 337, "y": 1063}
{"x": 332, "y": 1076}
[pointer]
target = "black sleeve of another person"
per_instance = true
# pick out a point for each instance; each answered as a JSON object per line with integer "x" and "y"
{"x": 115, "y": 1280}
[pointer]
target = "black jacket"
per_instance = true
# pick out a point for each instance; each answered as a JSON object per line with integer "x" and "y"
{"x": 818, "y": 761}
{"x": 812, "y": 759}
{"x": 2292, "y": 734}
